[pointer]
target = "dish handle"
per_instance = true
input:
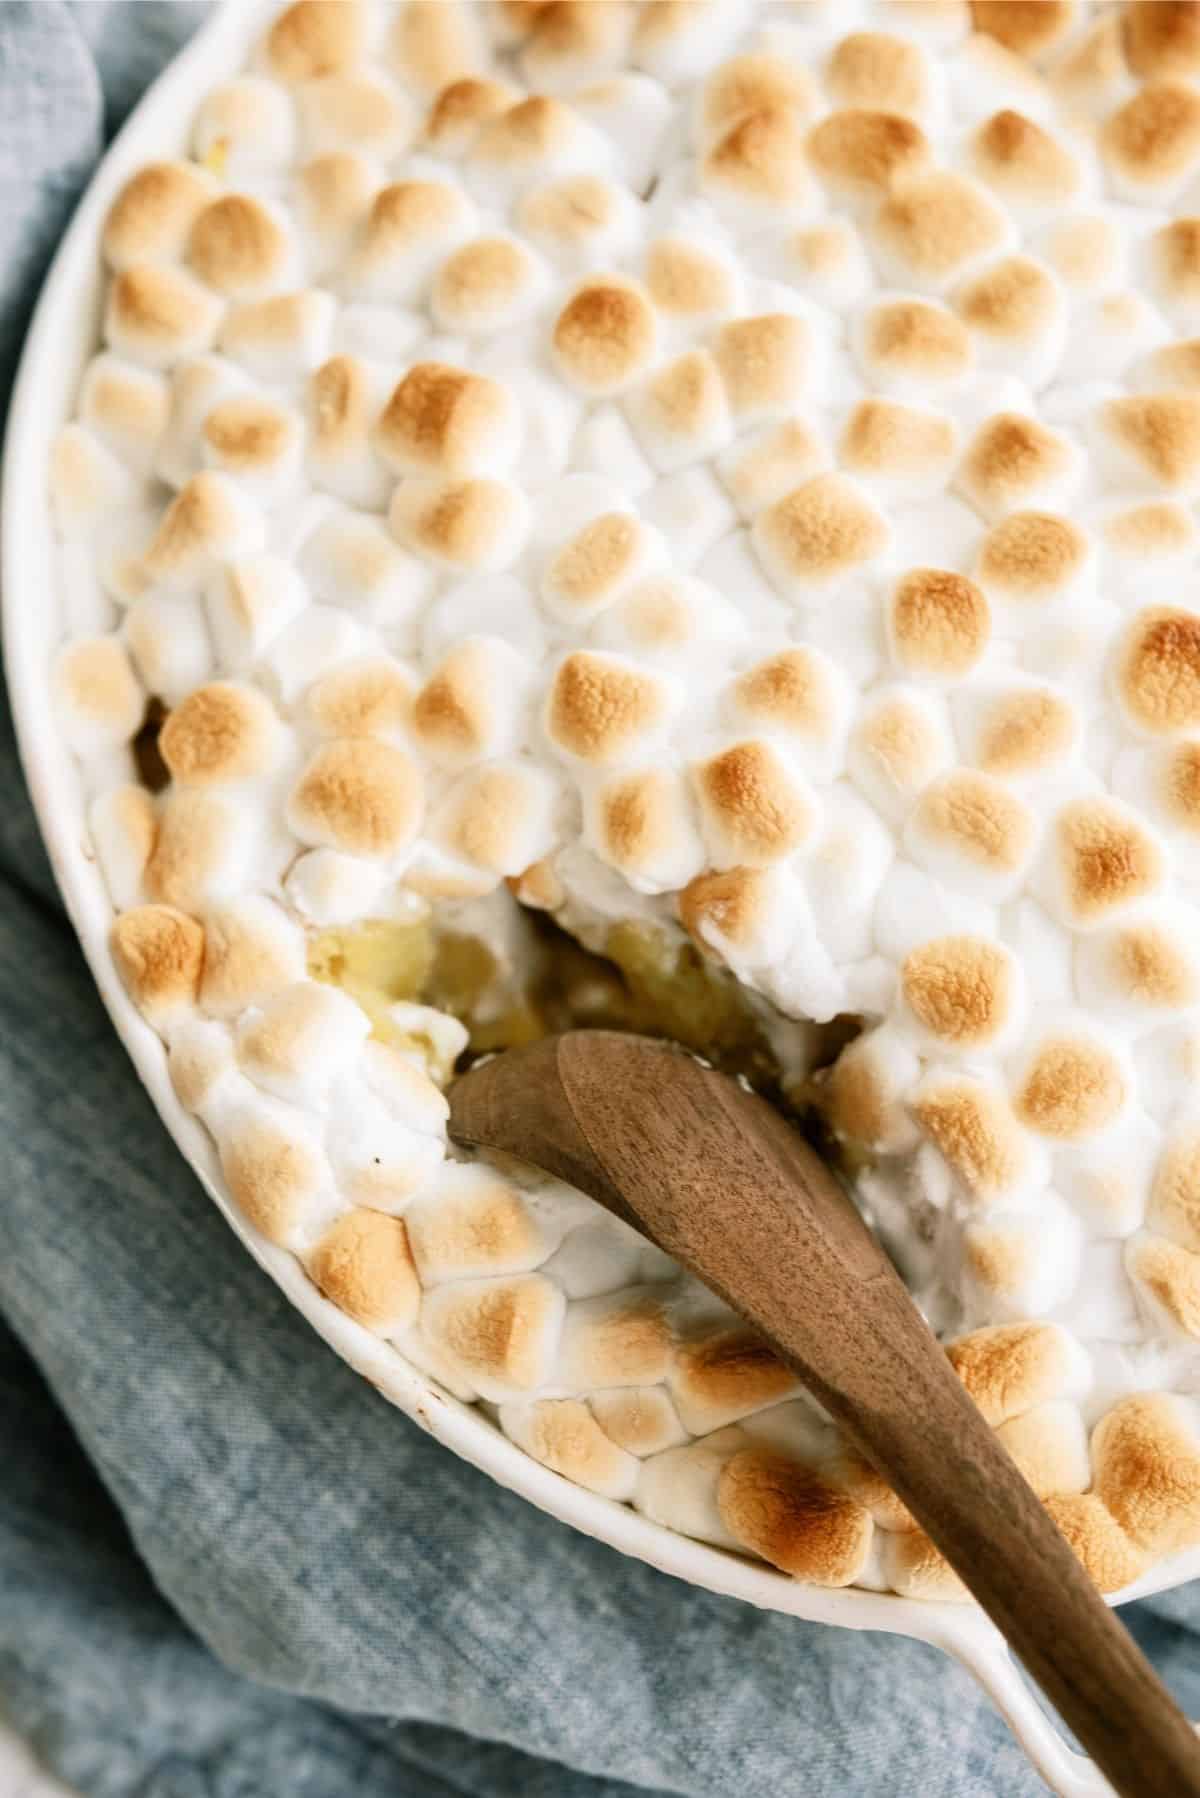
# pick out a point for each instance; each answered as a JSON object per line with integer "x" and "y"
{"x": 983, "y": 1652}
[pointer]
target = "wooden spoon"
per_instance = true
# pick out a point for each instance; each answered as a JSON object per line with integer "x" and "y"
{"x": 714, "y": 1176}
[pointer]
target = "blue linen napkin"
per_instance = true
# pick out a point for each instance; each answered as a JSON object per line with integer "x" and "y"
{"x": 227, "y": 1568}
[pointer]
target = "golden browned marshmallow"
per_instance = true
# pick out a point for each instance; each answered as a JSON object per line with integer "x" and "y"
{"x": 961, "y": 989}
{"x": 359, "y": 795}
{"x": 851, "y": 1473}
{"x": 471, "y": 1225}
{"x": 273, "y": 1171}
{"x": 457, "y": 716}
{"x": 159, "y": 954}
{"x": 315, "y": 37}
{"x": 208, "y": 520}
{"x": 1155, "y": 531}
{"x": 765, "y": 363}
{"x": 753, "y": 811}
{"x": 497, "y": 817}
{"x": 1010, "y": 1368}
{"x": 602, "y": 709}
{"x": 754, "y": 83}
{"x": 1110, "y": 1559}
{"x": 220, "y": 733}
{"x": 432, "y": 42}
{"x": 100, "y": 699}
{"x": 1147, "y": 1463}
{"x": 874, "y": 69}
{"x": 914, "y": 1568}
{"x": 1014, "y": 461}
{"x": 972, "y": 1126}
{"x": 236, "y": 246}
{"x": 371, "y": 698}
{"x": 1083, "y": 249}
{"x": 196, "y": 847}
{"x": 866, "y": 1092}
{"x": 152, "y": 216}
{"x": 1173, "y": 253}
{"x": 572, "y": 39}
{"x": 123, "y": 822}
{"x": 1179, "y": 785}
{"x": 605, "y": 335}
{"x": 1152, "y": 143}
{"x": 588, "y": 572}
{"x": 734, "y": 908}
{"x": 622, "y": 1339}
{"x": 1024, "y": 731}
{"x": 1070, "y": 1088}
{"x": 462, "y": 108}
{"x": 1091, "y": 76}
{"x": 539, "y": 887}
{"x": 198, "y": 1060}
{"x": 967, "y": 823}
{"x": 642, "y": 824}
{"x": 472, "y": 524}
{"x": 363, "y": 1264}
{"x": 639, "y": 1419}
{"x": 126, "y": 406}
{"x": 793, "y": 1518}
{"x": 1176, "y": 364}
{"x": 1145, "y": 966}
{"x": 1174, "y": 1207}
{"x": 1171, "y": 1276}
{"x": 934, "y": 224}
{"x": 1158, "y": 671}
{"x": 915, "y": 344}
{"x": 904, "y": 448}
{"x": 1104, "y": 860}
{"x": 576, "y": 219}
{"x": 1031, "y": 557}
{"x": 862, "y": 154}
{"x": 681, "y": 413}
{"x": 1000, "y": 1262}
{"x": 158, "y": 315}
{"x": 687, "y": 282}
{"x": 334, "y": 193}
{"x": 1023, "y": 163}
{"x": 779, "y": 460}
{"x": 411, "y": 225}
{"x": 897, "y": 748}
{"x": 1049, "y": 1446}
{"x": 1026, "y": 27}
{"x": 444, "y": 420}
{"x": 501, "y": 1333}
{"x": 242, "y": 127}
{"x": 562, "y": 1434}
{"x": 486, "y": 285}
{"x": 355, "y": 112}
{"x": 792, "y": 692}
{"x": 1159, "y": 433}
{"x": 1015, "y": 303}
{"x": 726, "y": 1372}
{"x": 938, "y": 623}
{"x": 283, "y": 335}
{"x": 248, "y": 436}
{"x": 759, "y": 162}
{"x": 1162, "y": 38}
{"x": 817, "y": 534}
{"x": 253, "y": 950}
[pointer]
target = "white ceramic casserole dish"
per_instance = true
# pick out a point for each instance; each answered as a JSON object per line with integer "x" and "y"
{"x": 64, "y": 332}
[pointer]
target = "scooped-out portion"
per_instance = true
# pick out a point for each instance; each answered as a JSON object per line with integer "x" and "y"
{"x": 679, "y": 517}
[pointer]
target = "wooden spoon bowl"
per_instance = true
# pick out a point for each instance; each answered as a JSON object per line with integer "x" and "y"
{"x": 709, "y": 1172}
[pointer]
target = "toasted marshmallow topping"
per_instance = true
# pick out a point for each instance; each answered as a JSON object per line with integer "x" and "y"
{"x": 726, "y": 482}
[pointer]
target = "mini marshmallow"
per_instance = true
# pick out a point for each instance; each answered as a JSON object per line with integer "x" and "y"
{"x": 249, "y": 600}
{"x": 898, "y": 452}
{"x": 1071, "y": 1082}
{"x": 325, "y": 887}
{"x": 754, "y": 810}
{"x": 603, "y": 710}
{"x": 1142, "y": 971}
{"x": 239, "y": 246}
{"x": 433, "y": 41}
{"x": 532, "y": 141}
{"x": 489, "y": 284}
{"x": 862, "y": 153}
{"x": 562, "y": 1434}
{"x": 274, "y": 1168}
{"x": 123, "y": 822}
{"x": 299, "y": 1039}
{"x": 723, "y": 1373}
{"x": 934, "y": 228}
{"x": 827, "y": 263}
{"x": 500, "y": 1333}
{"x": 351, "y": 560}
{"x": 938, "y": 624}
{"x": 973, "y": 832}
{"x": 368, "y": 698}
{"x": 1016, "y": 311}
{"x": 159, "y": 953}
{"x": 357, "y": 795}
{"x": 1026, "y": 166}
{"x": 258, "y": 442}
{"x": 312, "y": 38}
{"x": 344, "y": 398}
{"x": 87, "y": 481}
{"x": 766, "y": 363}
{"x": 816, "y": 535}
{"x": 280, "y": 338}
{"x": 253, "y": 950}
{"x": 209, "y": 520}
{"x": 197, "y": 386}
{"x": 1153, "y": 441}
{"x": 1101, "y": 858}
{"x": 1156, "y": 671}
{"x": 411, "y": 226}
{"x": 126, "y": 407}
{"x": 442, "y": 420}
{"x": 1013, "y": 462}
{"x": 677, "y": 43}
{"x": 897, "y": 747}
{"x": 354, "y": 112}
{"x": 642, "y": 823}
{"x": 1017, "y": 730}
{"x": 498, "y": 817}
{"x": 98, "y": 696}
{"x": 962, "y": 993}
{"x": 200, "y": 1062}
{"x": 905, "y": 346}
{"x": 168, "y": 638}
{"x": 461, "y": 109}
{"x": 362, "y": 1263}
{"x": 972, "y": 1125}
{"x": 157, "y": 315}
{"x": 681, "y": 414}
{"x": 1151, "y": 144}
{"x": 593, "y": 567}
{"x": 470, "y": 708}
{"x": 1084, "y": 249}
{"x": 605, "y": 335}
{"x": 672, "y": 619}
{"x": 461, "y": 525}
{"x": 580, "y": 221}
{"x": 151, "y": 218}
{"x": 1013, "y": 1266}
{"x": 243, "y": 129}
{"x": 333, "y": 196}
{"x": 873, "y": 69}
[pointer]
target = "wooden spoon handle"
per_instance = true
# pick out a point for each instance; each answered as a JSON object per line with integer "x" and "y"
{"x": 726, "y": 1187}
